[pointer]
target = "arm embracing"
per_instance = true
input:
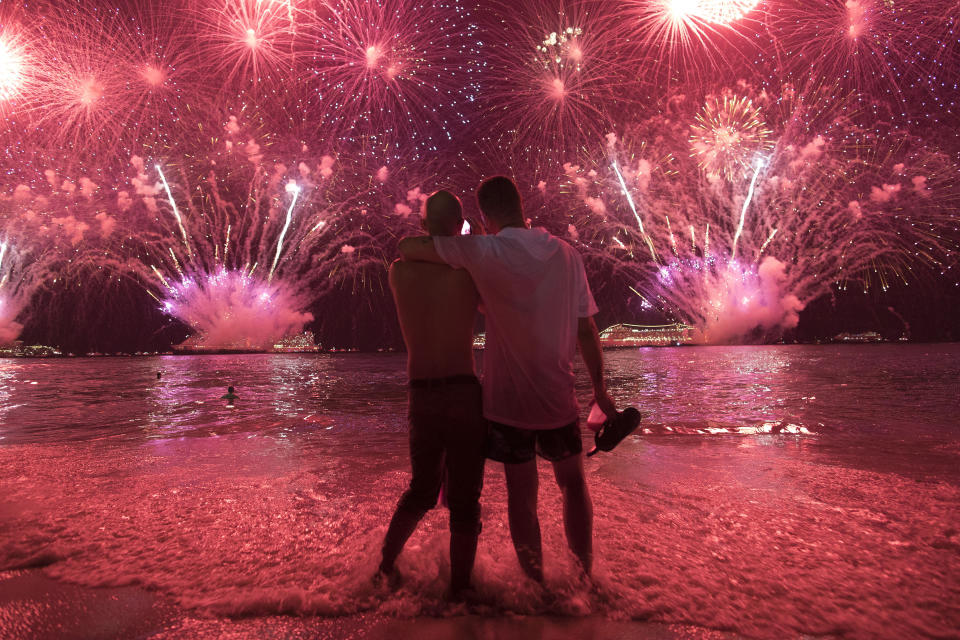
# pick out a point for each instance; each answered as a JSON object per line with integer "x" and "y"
{"x": 419, "y": 249}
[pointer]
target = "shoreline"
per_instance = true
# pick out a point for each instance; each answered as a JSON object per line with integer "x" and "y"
{"x": 391, "y": 351}
{"x": 36, "y": 607}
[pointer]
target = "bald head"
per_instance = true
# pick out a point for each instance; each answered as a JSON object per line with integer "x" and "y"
{"x": 443, "y": 215}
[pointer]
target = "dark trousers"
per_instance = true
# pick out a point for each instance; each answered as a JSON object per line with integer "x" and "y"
{"x": 448, "y": 435}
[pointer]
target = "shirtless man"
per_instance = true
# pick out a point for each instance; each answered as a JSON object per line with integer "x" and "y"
{"x": 436, "y": 305}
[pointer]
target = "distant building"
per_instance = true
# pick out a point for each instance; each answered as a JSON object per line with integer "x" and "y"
{"x": 196, "y": 344}
{"x": 621, "y": 336}
{"x": 20, "y": 350}
{"x": 303, "y": 343}
{"x": 636, "y": 335}
{"x": 867, "y": 336}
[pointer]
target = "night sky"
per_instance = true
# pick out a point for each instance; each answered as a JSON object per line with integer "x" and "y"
{"x": 763, "y": 170}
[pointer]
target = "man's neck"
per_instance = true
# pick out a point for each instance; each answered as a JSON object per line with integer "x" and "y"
{"x": 512, "y": 225}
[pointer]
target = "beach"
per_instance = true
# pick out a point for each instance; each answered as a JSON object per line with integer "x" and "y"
{"x": 775, "y": 492}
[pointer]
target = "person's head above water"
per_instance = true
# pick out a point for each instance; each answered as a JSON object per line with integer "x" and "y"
{"x": 442, "y": 214}
{"x": 500, "y": 203}
{"x": 229, "y": 389}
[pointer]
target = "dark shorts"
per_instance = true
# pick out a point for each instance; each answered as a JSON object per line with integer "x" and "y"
{"x": 513, "y": 445}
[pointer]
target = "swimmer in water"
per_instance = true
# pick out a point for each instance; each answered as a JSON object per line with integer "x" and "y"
{"x": 229, "y": 396}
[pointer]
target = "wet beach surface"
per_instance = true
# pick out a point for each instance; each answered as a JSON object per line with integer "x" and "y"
{"x": 776, "y": 491}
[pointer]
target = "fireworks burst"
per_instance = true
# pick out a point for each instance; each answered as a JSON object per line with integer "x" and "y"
{"x": 729, "y": 136}
{"x": 740, "y": 261}
{"x": 688, "y": 36}
{"x": 875, "y": 48}
{"x": 250, "y": 40}
{"x": 224, "y": 106}
{"x": 392, "y": 70}
{"x": 12, "y": 69}
{"x": 241, "y": 255}
{"x": 715, "y": 11}
{"x": 552, "y": 77}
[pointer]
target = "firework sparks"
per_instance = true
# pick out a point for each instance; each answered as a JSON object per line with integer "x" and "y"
{"x": 12, "y": 70}
{"x": 713, "y": 11}
{"x": 727, "y": 135}
{"x": 295, "y": 190}
{"x": 552, "y": 77}
{"x": 871, "y": 47}
{"x": 392, "y": 68}
{"x": 822, "y": 90}
{"x": 745, "y": 207}
{"x": 249, "y": 40}
{"x": 770, "y": 245}
{"x": 688, "y": 36}
{"x": 176, "y": 211}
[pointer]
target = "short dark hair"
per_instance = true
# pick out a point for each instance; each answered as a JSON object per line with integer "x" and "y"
{"x": 443, "y": 214}
{"x": 499, "y": 200}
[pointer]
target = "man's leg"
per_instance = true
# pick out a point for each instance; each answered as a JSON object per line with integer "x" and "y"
{"x": 522, "y": 486}
{"x": 426, "y": 460}
{"x": 577, "y": 508}
{"x": 464, "y": 526}
{"x": 466, "y": 440}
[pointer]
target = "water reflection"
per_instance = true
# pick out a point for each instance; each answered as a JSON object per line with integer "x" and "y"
{"x": 902, "y": 391}
{"x": 10, "y": 375}
{"x": 831, "y": 388}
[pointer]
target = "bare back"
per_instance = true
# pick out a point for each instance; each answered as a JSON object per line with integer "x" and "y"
{"x": 436, "y": 305}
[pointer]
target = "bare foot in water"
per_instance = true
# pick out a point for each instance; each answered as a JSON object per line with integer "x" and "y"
{"x": 389, "y": 579}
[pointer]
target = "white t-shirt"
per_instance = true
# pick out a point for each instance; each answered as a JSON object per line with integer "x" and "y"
{"x": 533, "y": 288}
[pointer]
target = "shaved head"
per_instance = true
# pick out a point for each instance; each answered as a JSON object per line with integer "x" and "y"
{"x": 443, "y": 215}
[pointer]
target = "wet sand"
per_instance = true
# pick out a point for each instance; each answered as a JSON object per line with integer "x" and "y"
{"x": 35, "y": 607}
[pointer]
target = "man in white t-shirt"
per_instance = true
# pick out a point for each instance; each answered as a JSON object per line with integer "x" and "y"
{"x": 538, "y": 308}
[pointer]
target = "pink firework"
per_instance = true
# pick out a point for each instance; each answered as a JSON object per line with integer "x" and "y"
{"x": 392, "y": 69}
{"x": 239, "y": 240}
{"x": 688, "y": 37}
{"x": 729, "y": 137}
{"x": 712, "y": 11}
{"x": 22, "y": 272}
{"x": 77, "y": 95}
{"x": 231, "y": 309}
{"x": 13, "y": 67}
{"x": 553, "y": 79}
{"x": 247, "y": 40}
{"x": 874, "y": 47}
{"x": 102, "y": 78}
{"x": 739, "y": 258}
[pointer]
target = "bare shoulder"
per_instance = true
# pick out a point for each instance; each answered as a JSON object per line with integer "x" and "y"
{"x": 410, "y": 269}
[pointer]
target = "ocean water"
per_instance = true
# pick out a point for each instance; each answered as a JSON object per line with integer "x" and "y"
{"x": 774, "y": 491}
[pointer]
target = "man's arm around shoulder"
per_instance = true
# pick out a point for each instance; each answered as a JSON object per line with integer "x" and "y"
{"x": 420, "y": 249}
